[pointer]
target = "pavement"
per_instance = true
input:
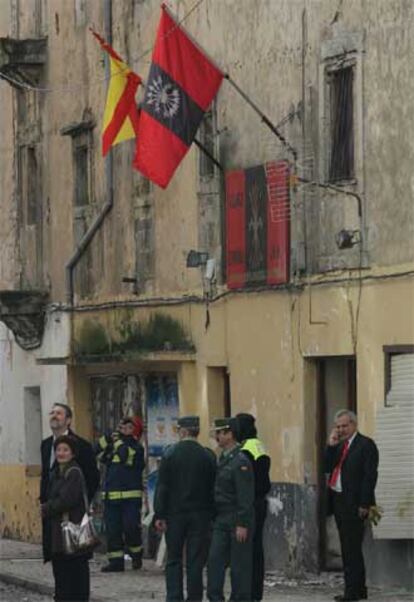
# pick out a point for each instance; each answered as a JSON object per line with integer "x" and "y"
{"x": 25, "y": 577}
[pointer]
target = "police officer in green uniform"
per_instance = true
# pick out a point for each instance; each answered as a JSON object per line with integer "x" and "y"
{"x": 183, "y": 507}
{"x": 254, "y": 449}
{"x": 234, "y": 522}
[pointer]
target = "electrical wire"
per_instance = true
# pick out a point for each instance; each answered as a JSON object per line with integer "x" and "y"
{"x": 199, "y": 299}
{"x": 74, "y": 87}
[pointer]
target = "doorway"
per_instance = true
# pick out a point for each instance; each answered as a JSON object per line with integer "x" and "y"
{"x": 336, "y": 390}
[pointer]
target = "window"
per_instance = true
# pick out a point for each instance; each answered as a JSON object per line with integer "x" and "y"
{"x": 206, "y": 138}
{"x": 395, "y": 440}
{"x": 341, "y": 166}
{"x": 32, "y": 425}
{"x": 29, "y": 185}
{"x": 81, "y": 158}
{"x": 398, "y": 369}
{"x": 144, "y": 243}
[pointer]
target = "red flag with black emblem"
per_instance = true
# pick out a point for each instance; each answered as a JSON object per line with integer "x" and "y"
{"x": 181, "y": 86}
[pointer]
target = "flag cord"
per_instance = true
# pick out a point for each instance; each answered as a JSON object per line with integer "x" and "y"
{"x": 264, "y": 118}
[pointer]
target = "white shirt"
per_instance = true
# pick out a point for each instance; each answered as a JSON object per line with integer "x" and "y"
{"x": 52, "y": 451}
{"x": 338, "y": 485}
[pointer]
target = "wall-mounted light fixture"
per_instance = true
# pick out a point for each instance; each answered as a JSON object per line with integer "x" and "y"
{"x": 346, "y": 239}
{"x": 134, "y": 282}
{"x": 196, "y": 259}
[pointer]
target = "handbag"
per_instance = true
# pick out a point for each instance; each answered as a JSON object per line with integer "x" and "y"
{"x": 79, "y": 538}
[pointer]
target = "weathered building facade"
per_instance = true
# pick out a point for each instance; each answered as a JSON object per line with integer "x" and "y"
{"x": 118, "y": 321}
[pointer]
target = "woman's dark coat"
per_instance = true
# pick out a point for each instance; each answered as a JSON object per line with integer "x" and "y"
{"x": 65, "y": 496}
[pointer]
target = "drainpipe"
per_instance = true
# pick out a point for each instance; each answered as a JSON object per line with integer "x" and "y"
{"x": 96, "y": 224}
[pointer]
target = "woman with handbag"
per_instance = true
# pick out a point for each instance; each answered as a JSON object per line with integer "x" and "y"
{"x": 66, "y": 505}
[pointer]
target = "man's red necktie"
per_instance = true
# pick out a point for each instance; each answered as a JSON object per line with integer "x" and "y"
{"x": 335, "y": 474}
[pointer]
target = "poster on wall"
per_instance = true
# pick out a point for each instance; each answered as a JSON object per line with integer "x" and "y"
{"x": 162, "y": 416}
{"x": 162, "y": 412}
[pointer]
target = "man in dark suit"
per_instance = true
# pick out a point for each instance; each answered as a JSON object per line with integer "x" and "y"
{"x": 60, "y": 420}
{"x": 351, "y": 460}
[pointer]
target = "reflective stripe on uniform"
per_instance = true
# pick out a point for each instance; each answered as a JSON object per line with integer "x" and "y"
{"x": 255, "y": 447}
{"x": 103, "y": 442}
{"x": 134, "y": 549}
{"x": 122, "y": 495}
{"x": 117, "y": 443}
{"x": 131, "y": 456}
{"x": 119, "y": 554}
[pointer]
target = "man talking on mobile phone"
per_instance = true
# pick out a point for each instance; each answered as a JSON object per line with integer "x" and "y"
{"x": 351, "y": 461}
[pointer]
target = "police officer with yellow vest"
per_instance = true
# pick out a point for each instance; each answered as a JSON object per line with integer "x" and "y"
{"x": 123, "y": 456}
{"x": 254, "y": 449}
{"x": 233, "y": 527}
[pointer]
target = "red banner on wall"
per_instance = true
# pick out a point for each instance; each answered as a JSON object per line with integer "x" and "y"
{"x": 278, "y": 218}
{"x": 236, "y": 229}
{"x": 257, "y": 225}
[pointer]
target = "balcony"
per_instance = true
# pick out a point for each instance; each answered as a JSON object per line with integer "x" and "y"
{"x": 23, "y": 312}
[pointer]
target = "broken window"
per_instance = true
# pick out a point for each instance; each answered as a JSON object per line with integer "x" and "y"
{"x": 341, "y": 165}
{"x": 206, "y": 138}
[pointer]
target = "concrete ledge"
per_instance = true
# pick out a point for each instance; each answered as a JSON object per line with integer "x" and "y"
{"x": 30, "y": 584}
{"x": 37, "y": 586}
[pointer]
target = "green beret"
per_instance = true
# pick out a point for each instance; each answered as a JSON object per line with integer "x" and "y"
{"x": 189, "y": 422}
{"x": 221, "y": 424}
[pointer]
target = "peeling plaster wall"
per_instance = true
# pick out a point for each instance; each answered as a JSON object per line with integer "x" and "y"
{"x": 19, "y": 474}
{"x": 262, "y": 339}
{"x": 262, "y": 45}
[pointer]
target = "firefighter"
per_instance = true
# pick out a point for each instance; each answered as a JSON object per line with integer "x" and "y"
{"x": 123, "y": 456}
{"x": 254, "y": 449}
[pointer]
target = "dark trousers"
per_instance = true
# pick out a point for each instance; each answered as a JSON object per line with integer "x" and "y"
{"x": 192, "y": 531}
{"x": 258, "y": 554}
{"x": 123, "y": 529}
{"x": 71, "y": 578}
{"x": 226, "y": 551}
{"x": 351, "y": 534}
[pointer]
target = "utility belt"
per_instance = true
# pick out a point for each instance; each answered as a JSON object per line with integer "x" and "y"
{"x": 122, "y": 495}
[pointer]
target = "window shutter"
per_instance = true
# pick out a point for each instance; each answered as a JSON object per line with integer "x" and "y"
{"x": 395, "y": 440}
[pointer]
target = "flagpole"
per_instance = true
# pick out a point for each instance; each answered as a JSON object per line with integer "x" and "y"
{"x": 264, "y": 118}
{"x": 249, "y": 101}
{"x": 208, "y": 154}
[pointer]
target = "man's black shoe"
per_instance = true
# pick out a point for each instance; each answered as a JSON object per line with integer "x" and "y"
{"x": 137, "y": 563}
{"x": 112, "y": 568}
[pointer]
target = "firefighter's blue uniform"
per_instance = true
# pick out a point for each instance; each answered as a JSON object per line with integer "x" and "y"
{"x": 122, "y": 493}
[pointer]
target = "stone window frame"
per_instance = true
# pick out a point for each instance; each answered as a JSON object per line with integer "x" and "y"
{"x": 30, "y": 184}
{"x": 389, "y": 351}
{"x": 81, "y": 134}
{"x": 144, "y": 221}
{"x": 342, "y": 51}
{"x": 206, "y": 167}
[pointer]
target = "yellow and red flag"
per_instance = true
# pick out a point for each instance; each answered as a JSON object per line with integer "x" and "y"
{"x": 121, "y": 114}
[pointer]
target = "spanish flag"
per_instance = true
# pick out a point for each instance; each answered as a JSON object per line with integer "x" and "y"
{"x": 121, "y": 114}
